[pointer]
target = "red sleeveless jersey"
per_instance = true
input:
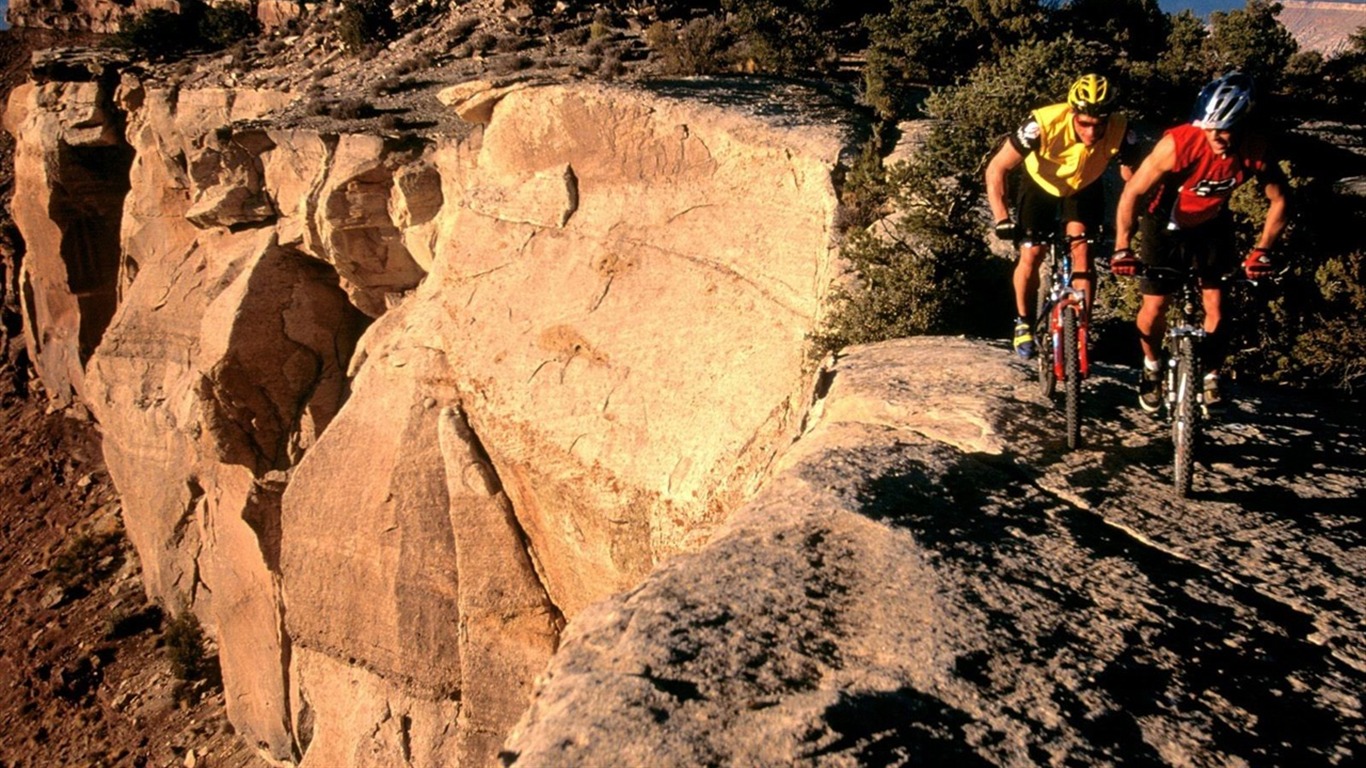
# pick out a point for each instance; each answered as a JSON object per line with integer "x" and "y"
{"x": 1199, "y": 186}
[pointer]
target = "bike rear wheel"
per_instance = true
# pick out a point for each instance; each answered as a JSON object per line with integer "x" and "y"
{"x": 1071, "y": 358}
{"x": 1186, "y": 416}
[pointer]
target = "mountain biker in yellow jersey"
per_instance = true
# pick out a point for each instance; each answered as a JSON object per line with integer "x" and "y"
{"x": 1192, "y": 172}
{"x": 1064, "y": 149}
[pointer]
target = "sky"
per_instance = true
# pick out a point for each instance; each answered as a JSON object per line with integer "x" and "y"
{"x": 1201, "y": 7}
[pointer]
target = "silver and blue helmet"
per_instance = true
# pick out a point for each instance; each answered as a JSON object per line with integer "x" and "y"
{"x": 1223, "y": 103}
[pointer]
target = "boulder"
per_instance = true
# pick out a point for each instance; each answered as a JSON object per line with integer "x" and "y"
{"x": 472, "y": 385}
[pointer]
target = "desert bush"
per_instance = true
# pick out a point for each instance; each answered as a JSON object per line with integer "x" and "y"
{"x": 484, "y": 42}
{"x": 1252, "y": 40}
{"x": 1332, "y": 350}
{"x": 463, "y": 28}
{"x": 227, "y": 23}
{"x": 1341, "y": 90}
{"x": 384, "y": 85}
{"x": 511, "y": 44}
{"x": 193, "y": 667}
{"x": 923, "y": 43}
{"x": 84, "y": 560}
{"x": 611, "y": 67}
{"x": 362, "y": 23}
{"x": 353, "y": 108}
{"x": 272, "y": 47}
{"x": 506, "y": 65}
{"x": 158, "y": 34}
{"x": 702, "y": 46}
{"x": 788, "y": 36}
{"x": 1132, "y": 30}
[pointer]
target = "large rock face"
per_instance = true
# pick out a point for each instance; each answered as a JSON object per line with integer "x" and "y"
{"x": 107, "y": 16}
{"x": 88, "y": 15}
{"x": 506, "y": 447}
{"x": 929, "y": 580}
{"x": 385, "y": 414}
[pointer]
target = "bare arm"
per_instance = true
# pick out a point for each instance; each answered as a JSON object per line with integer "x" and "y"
{"x": 1006, "y": 159}
{"x": 1158, "y": 163}
{"x": 1276, "y": 218}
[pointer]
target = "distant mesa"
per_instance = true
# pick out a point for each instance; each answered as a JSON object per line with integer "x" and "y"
{"x": 1322, "y": 26}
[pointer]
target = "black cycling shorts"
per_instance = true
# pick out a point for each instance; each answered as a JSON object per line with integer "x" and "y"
{"x": 1209, "y": 247}
{"x": 1040, "y": 213}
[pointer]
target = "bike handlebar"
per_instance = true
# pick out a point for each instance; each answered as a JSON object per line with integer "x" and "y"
{"x": 1181, "y": 274}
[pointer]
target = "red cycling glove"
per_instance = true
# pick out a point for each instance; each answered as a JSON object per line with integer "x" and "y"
{"x": 1258, "y": 264}
{"x": 1124, "y": 263}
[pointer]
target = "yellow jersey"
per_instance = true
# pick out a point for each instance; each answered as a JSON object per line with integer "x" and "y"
{"x": 1054, "y": 155}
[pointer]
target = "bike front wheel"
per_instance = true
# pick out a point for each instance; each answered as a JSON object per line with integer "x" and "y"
{"x": 1043, "y": 341}
{"x": 1071, "y": 359}
{"x": 1043, "y": 336}
{"x": 1186, "y": 416}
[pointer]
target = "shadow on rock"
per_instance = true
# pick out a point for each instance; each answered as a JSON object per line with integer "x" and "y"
{"x": 902, "y": 727}
{"x": 1133, "y": 646}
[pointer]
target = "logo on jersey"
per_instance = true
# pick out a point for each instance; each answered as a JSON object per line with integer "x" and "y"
{"x": 1213, "y": 188}
{"x": 1029, "y": 133}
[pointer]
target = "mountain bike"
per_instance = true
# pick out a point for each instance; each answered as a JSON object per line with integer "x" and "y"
{"x": 1184, "y": 394}
{"x": 1061, "y": 332}
{"x": 1185, "y": 397}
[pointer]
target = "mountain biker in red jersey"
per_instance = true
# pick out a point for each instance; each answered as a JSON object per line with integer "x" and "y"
{"x": 1064, "y": 148}
{"x": 1193, "y": 171}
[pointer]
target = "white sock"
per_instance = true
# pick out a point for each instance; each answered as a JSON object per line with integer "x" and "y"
{"x": 1152, "y": 365}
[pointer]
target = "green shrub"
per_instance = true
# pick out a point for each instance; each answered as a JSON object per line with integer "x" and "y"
{"x": 1252, "y": 40}
{"x": 184, "y": 641}
{"x": 364, "y": 23}
{"x": 227, "y": 23}
{"x": 192, "y": 665}
{"x": 930, "y": 271}
{"x": 786, "y": 36}
{"x": 158, "y": 34}
{"x": 702, "y": 46}
{"x": 1332, "y": 350}
{"x": 86, "y": 559}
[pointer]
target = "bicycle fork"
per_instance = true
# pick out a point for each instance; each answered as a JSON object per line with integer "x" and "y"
{"x": 1173, "y": 360}
{"x": 1077, "y": 300}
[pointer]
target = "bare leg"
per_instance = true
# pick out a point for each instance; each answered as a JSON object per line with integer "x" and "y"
{"x": 1081, "y": 261}
{"x": 1213, "y": 299}
{"x": 1152, "y": 325}
{"x": 1026, "y": 280}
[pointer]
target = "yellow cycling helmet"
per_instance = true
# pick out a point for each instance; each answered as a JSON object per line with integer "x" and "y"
{"x": 1092, "y": 95}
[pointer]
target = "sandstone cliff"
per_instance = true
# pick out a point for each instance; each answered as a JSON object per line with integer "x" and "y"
{"x": 107, "y": 15}
{"x": 503, "y": 443}
{"x": 385, "y": 412}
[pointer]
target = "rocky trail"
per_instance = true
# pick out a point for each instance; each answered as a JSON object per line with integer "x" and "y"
{"x": 507, "y": 466}
{"x": 1076, "y": 608}
{"x": 1029, "y": 605}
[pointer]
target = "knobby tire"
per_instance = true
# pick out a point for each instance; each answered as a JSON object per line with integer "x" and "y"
{"x": 1071, "y": 358}
{"x": 1043, "y": 335}
{"x": 1043, "y": 342}
{"x": 1186, "y": 418}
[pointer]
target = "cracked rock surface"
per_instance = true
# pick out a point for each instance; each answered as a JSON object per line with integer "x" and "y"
{"x": 901, "y": 594}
